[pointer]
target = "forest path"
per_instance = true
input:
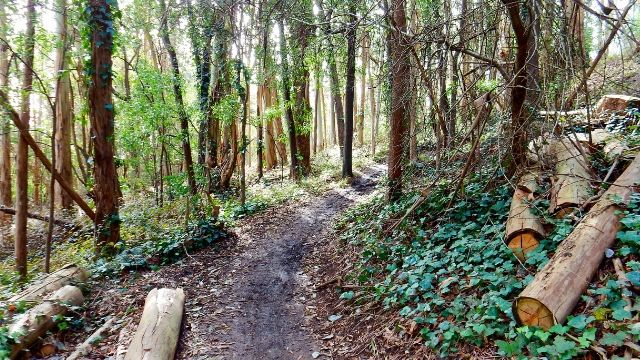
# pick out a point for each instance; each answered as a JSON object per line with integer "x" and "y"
{"x": 256, "y": 302}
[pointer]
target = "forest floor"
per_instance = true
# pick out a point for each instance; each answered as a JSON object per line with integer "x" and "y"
{"x": 253, "y": 297}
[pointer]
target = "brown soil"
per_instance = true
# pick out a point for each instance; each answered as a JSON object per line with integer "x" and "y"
{"x": 253, "y": 297}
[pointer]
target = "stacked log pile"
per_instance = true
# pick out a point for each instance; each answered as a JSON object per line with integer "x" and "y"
{"x": 556, "y": 289}
{"x": 571, "y": 183}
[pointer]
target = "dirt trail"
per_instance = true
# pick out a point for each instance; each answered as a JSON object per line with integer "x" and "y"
{"x": 253, "y": 303}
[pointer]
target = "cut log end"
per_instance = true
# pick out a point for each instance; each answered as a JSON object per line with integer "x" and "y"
{"x": 522, "y": 244}
{"x": 531, "y": 312}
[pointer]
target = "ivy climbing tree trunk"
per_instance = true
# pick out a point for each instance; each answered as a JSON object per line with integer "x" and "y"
{"x": 5, "y": 129}
{"x": 177, "y": 92}
{"x": 347, "y": 168}
{"x": 22, "y": 150}
{"x": 64, "y": 112}
{"x": 286, "y": 97}
{"x": 101, "y": 115}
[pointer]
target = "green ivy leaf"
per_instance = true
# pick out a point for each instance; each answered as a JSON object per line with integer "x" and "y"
{"x": 634, "y": 278}
{"x": 347, "y": 295}
{"x": 509, "y": 348}
{"x": 579, "y": 322}
{"x": 610, "y": 339}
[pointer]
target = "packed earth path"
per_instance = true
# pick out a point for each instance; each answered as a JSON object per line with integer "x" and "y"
{"x": 253, "y": 298}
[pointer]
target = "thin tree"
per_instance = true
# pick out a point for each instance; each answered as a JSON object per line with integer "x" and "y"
{"x": 400, "y": 80}
{"x": 338, "y": 109}
{"x": 347, "y": 168}
{"x": 101, "y": 115}
{"x": 286, "y": 97}
{"x": 64, "y": 112}
{"x": 519, "y": 87}
{"x": 22, "y": 150}
{"x": 5, "y": 129}
{"x": 177, "y": 93}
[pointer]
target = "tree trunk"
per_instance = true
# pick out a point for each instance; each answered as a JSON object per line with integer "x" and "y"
{"x": 400, "y": 80}
{"x": 101, "y": 113}
{"x": 159, "y": 328}
{"x": 38, "y": 320}
{"x": 277, "y": 126}
{"x": 243, "y": 136}
{"x": 519, "y": 88}
{"x": 5, "y": 128}
{"x": 372, "y": 109}
{"x": 302, "y": 107}
{"x": 363, "y": 81}
{"x": 335, "y": 81}
{"x": 286, "y": 97}
{"x": 64, "y": 112}
{"x": 22, "y": 150}
{"x": 177, "y": 92}
{"x": 260, "y": 128}
{"x": 347, "y": 168}
{"x": 556, "y": 289}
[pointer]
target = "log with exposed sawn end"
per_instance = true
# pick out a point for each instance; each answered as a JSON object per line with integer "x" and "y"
{"x": 615, "y": 103}
{"x": 571, "y": 185}
{"x": 39, "y": 319}
{"x": 157, "y": 335}
{"x": 66, "y": 275}
{"x": 523, "y": 229}
{"x": 556, "y": 289}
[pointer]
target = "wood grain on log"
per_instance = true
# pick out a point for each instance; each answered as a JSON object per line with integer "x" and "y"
{"x": 523, "y": 229}
{"x": 571, "y": 183}
{"x": 157, "y": 335}
{"x": 556, "y": 289}
{"x": 39, "y": 319}
{"x": 66, "y": 275}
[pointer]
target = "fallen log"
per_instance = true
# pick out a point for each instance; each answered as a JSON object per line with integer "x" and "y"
{"x": 157, "y": 334}
{"x": 612, "y": 145}
{"x": 615, "y": 103}
{"x": 68, "y": 274}
{"x": 58, "y": 222}
{"x": 571, "y": 181}
{"x": 523, "y": 230}
{"x": 86, "y": 347}
{"x": 556, "y": 289}
{"x": 38, "y": 320}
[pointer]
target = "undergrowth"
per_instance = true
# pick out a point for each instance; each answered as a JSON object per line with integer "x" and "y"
{"x": 449, "y": 271}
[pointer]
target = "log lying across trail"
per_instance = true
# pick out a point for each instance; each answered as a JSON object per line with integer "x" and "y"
{"x": 556, "y": 289}
{"x": 39, "y": 319}
{"x": 68, "y": 274}
{"x": 571, "y": 183}
{"x": 157, "y": 334}
{"x": 524, "y": 229}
